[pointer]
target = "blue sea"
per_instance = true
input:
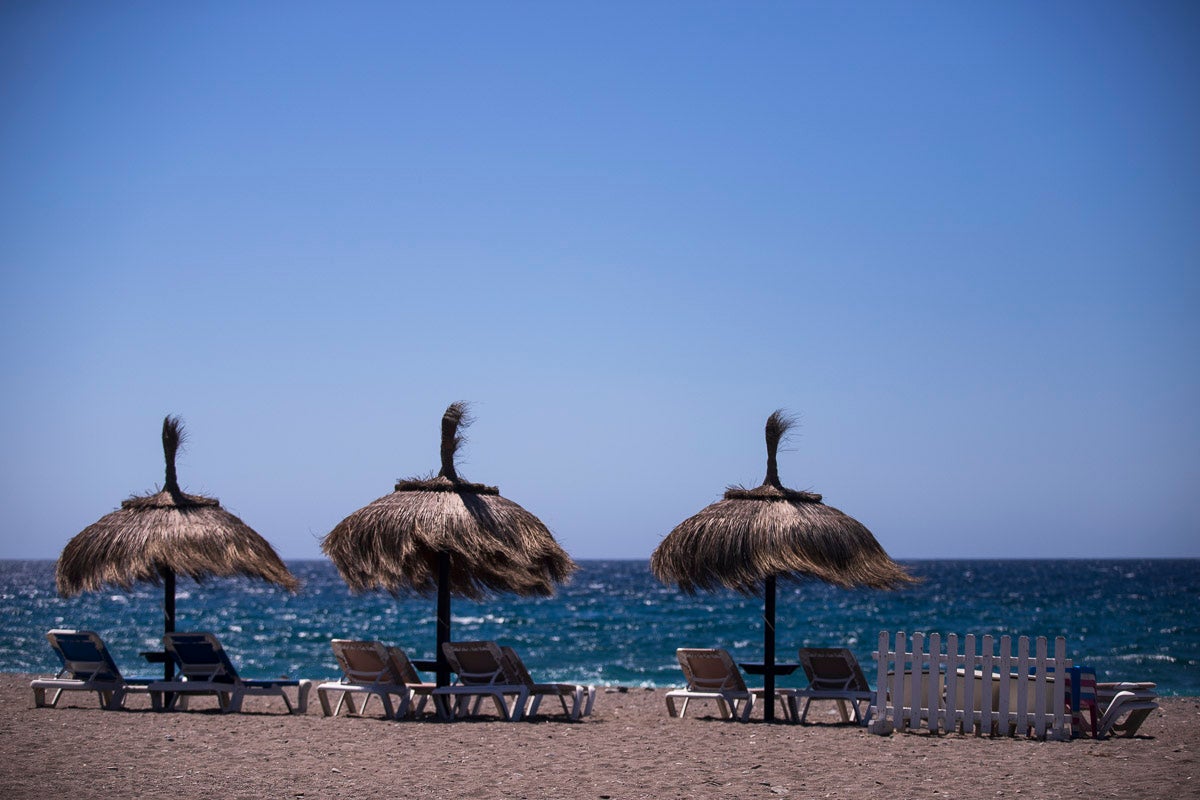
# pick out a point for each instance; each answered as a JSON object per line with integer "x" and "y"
{"x": 614, "y": 624}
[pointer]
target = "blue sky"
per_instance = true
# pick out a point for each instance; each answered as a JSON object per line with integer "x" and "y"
{"x": 959, "y": 240}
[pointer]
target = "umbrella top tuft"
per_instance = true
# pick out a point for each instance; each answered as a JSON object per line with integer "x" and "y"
{"x": 173, "y": 437}
{"x": 454, "y": 421}
{"x": 778, "y": 425}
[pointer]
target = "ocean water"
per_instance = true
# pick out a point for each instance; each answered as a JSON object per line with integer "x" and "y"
{"x": 614, "y": 624}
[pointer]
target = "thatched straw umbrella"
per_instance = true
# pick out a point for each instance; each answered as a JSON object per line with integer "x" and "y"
{"x": 446, "y": 537}
{"x": 154, "y": 538}
{"x": 752, "y": 537}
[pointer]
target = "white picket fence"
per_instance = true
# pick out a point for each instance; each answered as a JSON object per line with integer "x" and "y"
{"x": 979, "y": 690}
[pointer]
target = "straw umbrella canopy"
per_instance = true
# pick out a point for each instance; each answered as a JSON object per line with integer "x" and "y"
{"x": 444, "y": 536}
{"x": 153, "y": 538}
{"x": 753, "y": 537}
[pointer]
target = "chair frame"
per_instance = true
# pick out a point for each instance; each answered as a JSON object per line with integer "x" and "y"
{"x": 582, "y": 697}
{"x": 389, "y": 675}
{"x": 480, "y": 667}
{"x": 99, "y": 674}
{"x": 216, "y": 677}
{"x": 849, "y": 686}
{"x": 726, "y": 687}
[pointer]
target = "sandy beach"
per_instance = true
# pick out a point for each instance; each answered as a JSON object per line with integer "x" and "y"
{"x": 629, "y": 748}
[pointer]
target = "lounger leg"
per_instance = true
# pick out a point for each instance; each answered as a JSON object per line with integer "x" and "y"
{"x": 748, "y": 709}
{"x": 727, "y": 709}
{"x": 518, "y": 706}
{"x": 323, "y": 696}
{"x": 405, "y": 706}
{"x": 793, "y": 708}
{"x": 302, "y": 696}
{"x": 786, "y": 706}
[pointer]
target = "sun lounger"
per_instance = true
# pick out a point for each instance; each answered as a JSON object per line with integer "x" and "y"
{"x": 203, "y": 668}
{"x": 582, "y": 697}
{"x": 87, "y": 666}
{"x": 712, "y": 675}
{"x": 1126, "y": 706}
{"x": 480, "y": 667}
{"x": 371, "y": 669}
{"x": 833, "y": 674}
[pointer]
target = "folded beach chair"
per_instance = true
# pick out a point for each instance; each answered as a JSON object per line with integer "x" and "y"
{"x": 582, "y": 697}
{"x": 712, "y": 675}
{"x": 371, "y": 669}
{"x": 203, "y": 668}
{"x": 1126, "y": 706}
{"x": 481, "y": 670}
{"x": 833, "y": 674}
{"x": 87, "y": 666}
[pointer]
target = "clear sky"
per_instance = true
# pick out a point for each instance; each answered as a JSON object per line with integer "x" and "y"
{"x": 961, "y": 241}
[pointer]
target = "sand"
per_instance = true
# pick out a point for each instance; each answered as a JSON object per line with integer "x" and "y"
{"x": 629, "y": 748}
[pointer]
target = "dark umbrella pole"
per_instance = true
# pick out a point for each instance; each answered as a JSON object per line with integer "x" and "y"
{"x": 769, "y": 649}
{"x": 168, "y": 620}
{"x": 443, "y": 618}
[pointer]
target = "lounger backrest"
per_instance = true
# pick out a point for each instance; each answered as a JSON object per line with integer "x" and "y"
{"x": 83, "y": 655}
{"x": 514, "y": 668}
{"x": 363, "y": 662}
{"x": 476, "y": 663}
{"x": 200, "y": 657}
{"x": 710, "y": 670}
{"x": 832, "y": 668}
{"x": 402, "y": 668}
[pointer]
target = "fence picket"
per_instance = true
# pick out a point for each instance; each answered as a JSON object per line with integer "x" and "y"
{"x": 882, "y": 659}
{"x": 1003, "y": 720}
{"x": 932, "y": 692}
{"x": 953, "y": 685}
{"x": 1061, "y": 667}
{"x": 1022, "y": 697}
{"x": 1039, "y": 689}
